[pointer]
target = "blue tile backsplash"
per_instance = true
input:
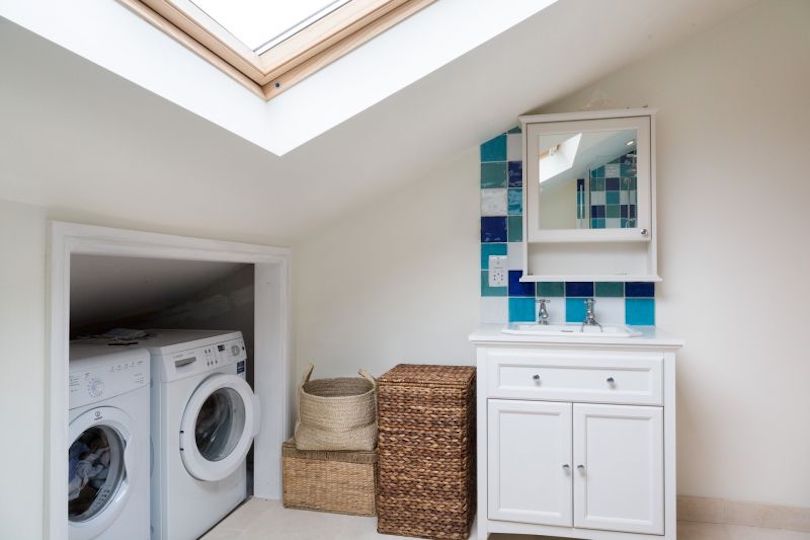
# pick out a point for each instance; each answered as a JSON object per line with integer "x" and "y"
{"x": 501, "y": 184}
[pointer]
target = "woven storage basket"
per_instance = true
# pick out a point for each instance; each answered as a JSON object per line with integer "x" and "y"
{"x": 426, "y": 485}
{"x": 338, "y": 482}
{"x": 337, "y": 414}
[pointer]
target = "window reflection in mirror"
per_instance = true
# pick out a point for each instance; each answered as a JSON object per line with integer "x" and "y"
{"x": 588, "y": 180}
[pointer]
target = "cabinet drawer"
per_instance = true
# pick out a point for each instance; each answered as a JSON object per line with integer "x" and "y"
{"x": 582, "y": 377}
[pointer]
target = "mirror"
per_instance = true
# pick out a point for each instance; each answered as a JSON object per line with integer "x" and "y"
{"x": 588, "y": 180}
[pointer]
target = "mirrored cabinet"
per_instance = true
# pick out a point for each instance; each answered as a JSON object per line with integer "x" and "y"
{"x": 589, "y": 196}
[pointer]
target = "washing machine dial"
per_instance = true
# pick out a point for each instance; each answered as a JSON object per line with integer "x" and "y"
{"x": 95, "y": 387}
{"x": 235, "y": 350}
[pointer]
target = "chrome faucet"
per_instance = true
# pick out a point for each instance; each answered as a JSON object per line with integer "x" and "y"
{"x": 590, "y": 318}
{"x": 542, "y": 312}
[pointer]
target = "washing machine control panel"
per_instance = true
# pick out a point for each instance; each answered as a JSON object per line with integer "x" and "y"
{"x": 204, "y": 359}
{"x": 107, "y": 375}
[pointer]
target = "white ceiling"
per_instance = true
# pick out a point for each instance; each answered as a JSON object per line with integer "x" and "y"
{"x": 104, "y": 288}
{"x": 96, "y": 148}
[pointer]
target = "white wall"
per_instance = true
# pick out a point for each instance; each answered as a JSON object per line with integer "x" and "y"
{"x": 22, "y": 369}
{"x": 398, "y": 281}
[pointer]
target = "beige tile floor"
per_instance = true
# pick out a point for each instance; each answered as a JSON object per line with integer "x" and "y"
{"x": 259, "y": 519}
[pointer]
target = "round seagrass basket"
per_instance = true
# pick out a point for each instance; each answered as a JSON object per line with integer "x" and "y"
{"x": 337, "y": 414}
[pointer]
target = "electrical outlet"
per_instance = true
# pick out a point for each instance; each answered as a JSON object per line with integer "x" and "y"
{"x": 498, "y": 271}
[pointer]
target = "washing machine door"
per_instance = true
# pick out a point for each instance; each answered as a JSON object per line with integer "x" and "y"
{"x": 218, "y": 426}
{"x": 100, "y": 464}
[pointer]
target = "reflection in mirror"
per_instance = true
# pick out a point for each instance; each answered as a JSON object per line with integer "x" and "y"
{"x": 588, "y": 180}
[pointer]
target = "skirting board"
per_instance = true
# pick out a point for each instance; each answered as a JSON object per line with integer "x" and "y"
{"x": 771, "y": 516}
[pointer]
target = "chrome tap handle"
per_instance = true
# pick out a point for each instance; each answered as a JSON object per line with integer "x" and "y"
{"x": 542, "y": 311}
{"x": 590, "y": 317}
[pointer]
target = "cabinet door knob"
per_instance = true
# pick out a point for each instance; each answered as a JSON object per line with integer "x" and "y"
{"x": 581, "y": 468}
{"x": 611, "y": 380}
{"x": 536, "y": 377}
{"x": 566, "y": 467}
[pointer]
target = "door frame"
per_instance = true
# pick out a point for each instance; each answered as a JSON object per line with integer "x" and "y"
{"x": 272, "y": 350}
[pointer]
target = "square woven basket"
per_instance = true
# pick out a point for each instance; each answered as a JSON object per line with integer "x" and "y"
{"x": 337, "y": 482}
{"x": 426, "y": 485}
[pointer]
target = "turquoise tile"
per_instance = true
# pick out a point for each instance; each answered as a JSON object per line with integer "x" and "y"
{"x": 492, "y": 248}
{"x": 639, "y": 311}
{"x": 597, "y": 184}
{"x": 514, "y": 201}
{"x": 515, "y": 129}
{"x": 515, "y": 228}
{"x": 609, "y": 289}
{"x": 612, "y": 197}
{"x": 521, "y": 309}
{"x": 548, "y": 289}
{"x": 486, "y": 290}
{"x": 598, "y": 172}
{"x": 494, "y": 149}
{"x": 574, "y": 310}
{"x": 493, "y": 175}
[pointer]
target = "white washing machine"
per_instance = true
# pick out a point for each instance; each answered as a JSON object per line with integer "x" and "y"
{"x": 108, "y": 457}
{"x": 204, "y": 418}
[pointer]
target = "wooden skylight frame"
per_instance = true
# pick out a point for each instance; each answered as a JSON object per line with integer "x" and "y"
{"x": 291, "y": 60}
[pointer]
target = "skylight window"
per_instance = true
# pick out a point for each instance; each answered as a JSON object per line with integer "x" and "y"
{"x": 260, "y": 24}
{"x": 270, "y": 45}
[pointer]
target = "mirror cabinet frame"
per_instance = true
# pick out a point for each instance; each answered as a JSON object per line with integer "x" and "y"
{"x": 640, "y": 119}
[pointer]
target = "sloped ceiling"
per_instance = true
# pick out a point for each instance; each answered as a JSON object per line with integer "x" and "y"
{"x": 95, "y": 148}
{"x": 109, "y": 288}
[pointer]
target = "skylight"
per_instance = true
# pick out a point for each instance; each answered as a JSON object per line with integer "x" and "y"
{"x": 270, "y": 45}
{"x": 260, "y": 24}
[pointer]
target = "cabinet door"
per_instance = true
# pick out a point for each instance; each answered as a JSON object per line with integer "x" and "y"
{"x": 619, "y": 475}
{"x": 529, "y": 468}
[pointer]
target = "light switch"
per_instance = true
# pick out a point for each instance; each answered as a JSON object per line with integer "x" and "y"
{"x": 498, "y": 271}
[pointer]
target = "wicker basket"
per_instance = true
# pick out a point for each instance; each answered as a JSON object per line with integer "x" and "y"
{"x": 426, "y": 451}
{"x": 337, "y": 414}
{"x": 337, "y": 482}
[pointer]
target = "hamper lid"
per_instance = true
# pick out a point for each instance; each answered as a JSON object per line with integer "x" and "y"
{"x": 430, "y": 375}
{"x": 288, "y": 449}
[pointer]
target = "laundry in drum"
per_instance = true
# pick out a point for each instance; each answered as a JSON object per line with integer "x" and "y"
{"x": 89, "y": 462}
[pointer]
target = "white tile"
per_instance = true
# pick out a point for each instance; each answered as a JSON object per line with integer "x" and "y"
{"x": 597, "y": 197}
{"x": 609, "y": 310}
{"x": 623, "y": 197}
{"x": 493, "y": 202}
{"x": 514, "y": 251}
{"x": 612, "y": 170}
{"x": 494, "y": 310}
{"x": 613, "y": 223}
{"x": 514, "y": 147}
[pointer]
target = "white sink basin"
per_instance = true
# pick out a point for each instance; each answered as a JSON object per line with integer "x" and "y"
{"x": 573, "y": 330}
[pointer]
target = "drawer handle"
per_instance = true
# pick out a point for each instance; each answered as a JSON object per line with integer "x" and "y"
{"x": 536, "y": 377}
{"x": 611, "y": 381}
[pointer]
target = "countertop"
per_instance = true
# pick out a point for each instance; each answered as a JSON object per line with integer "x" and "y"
{"x": 651, "y": 336}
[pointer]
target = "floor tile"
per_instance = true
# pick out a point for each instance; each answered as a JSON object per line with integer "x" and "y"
{"x": 740, "y": 532}
{"x": 260, "y": 519}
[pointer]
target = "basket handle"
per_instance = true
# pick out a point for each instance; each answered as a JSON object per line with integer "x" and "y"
{"x": 363, "y": 373}
{"x": 308, "y": 373}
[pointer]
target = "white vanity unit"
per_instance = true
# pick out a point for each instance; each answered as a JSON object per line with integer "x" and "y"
{"x": 576, "y": 434}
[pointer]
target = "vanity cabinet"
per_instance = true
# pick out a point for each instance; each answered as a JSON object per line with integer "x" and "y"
{"x": 576, "y": 437}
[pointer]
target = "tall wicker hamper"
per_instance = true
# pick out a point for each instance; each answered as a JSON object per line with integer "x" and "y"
{"x": 426, "y": 484}
{"x": 341, "y": 482}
